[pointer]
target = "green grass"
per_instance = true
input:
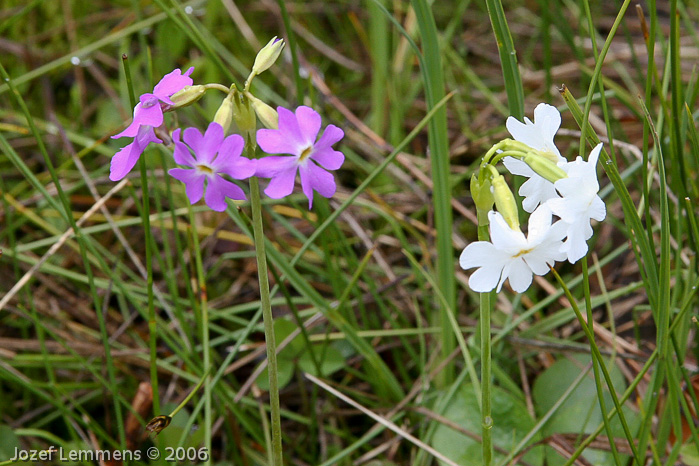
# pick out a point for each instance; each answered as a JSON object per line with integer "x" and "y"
{"x": 145, "y": 289}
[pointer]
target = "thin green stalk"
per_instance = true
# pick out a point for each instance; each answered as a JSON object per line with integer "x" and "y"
{"x": 145, "y": 218}
{"x": 486, "y": 306}
{"x": 433, "y": 78}
{"x": 486, "y": 418}
{"x": 598, "y": 357}
{"x": 291, "y": 41}
{"x": 268, "y": 319}
{"x": 206, "y": 347}
{"x": 508, "y": 58}
{"x": 84, "y": 245}
{"x": 595, "y": 363}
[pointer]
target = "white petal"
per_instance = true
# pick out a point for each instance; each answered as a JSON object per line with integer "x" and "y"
{"x": 536, "y": 190}
{"x": 597, "y": 209}
{"x": 502, "y": 236}
{"x": 520, "y": 275}
{"x": 476, "y": 254}
{"x": 518, "y": 167}
{"x": 484, "y": 279}
{"x": 575, "y": 245}
{"x": 539, "y": 224}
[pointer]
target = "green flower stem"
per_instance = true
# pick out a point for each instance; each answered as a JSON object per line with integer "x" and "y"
{"x": 145, "y": 215}
{"x": 486, "y": 305}
{"x": 277, "y": 458}
{"x": 597, "y": 356}
{"x": 486, "y": 419}
{"x": 206, "y": 347}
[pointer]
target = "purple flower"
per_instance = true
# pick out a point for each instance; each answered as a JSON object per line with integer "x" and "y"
{"x": 208, "y": 167}
{"x": 297, "y": 135}
{"x": 147, "y": 114}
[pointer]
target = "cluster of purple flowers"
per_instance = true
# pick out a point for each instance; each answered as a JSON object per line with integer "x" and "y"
{"x": 211, "y": 156}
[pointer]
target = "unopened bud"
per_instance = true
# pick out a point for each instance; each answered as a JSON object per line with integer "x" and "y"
{"x": 187, "y": 96}
{"x": 224, "y": 114}
{"x": 505, "y": 201}
{"x": 482, "y": 197}
{"x": 267, "y": 115}
{"x": 544, "y": 167}
{"x": 268, "y": 55}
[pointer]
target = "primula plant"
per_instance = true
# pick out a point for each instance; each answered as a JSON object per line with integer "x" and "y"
{"x": 209, "y": 162}
{"x": 555, "y": 186}
{"x": 561, "y": 199}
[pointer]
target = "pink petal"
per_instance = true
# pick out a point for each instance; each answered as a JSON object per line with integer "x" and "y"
{"x": 328, "y": 158}
{"x": 171, "y": 83}
{"x": 308, "y": 123}
{"x": 124, "y": 160}
{"x": 204, "y": 146}
{"x": 319, "y": 179}
{"x": 218, "y": 190}
{"x": 229, "y": 160}
{"x": 269, "y": 167}
{"x": 193, "y": 182}
{"x": 282, "y": 184}
{"x": 182, "y": 154}
{"x": 331, "y": 135}
{"x": 151, "y": 116}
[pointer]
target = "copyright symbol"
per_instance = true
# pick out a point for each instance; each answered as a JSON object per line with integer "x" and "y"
{"x": 153, "y": 453}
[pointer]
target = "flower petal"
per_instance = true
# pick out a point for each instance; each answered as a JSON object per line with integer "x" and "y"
{"x": 182, "y": 154}
{"x": 282, "y": 184}
{"x": 331, "y": 135}
{"x": 230, "y": 162}
{"x": 125, "y": 159}
{"x": 308, "y": 123}
{"x": 477, "y": 254}
{"x": 269, "y": 167}
{"x": 205, "y": 146}
{"x": 218, "y": 190}
{"x": 315, "y": 178}
{"x": 519, "y": 274}
{"x": 172, "y": 83}
{"x": 485, "y": 279}
{"x": 502, "y": 236}
{"x": 193, "y": 182}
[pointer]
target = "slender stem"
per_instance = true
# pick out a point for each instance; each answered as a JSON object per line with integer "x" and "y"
{"x": 206, "y": 347}
{"x": 486, "y": 418}
{"x": 277, "y": 458}
{"x": 145, "y": 215}
{"x": 191, "y": 394}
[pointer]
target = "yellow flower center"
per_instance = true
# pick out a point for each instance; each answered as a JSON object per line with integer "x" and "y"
{"x": 205, "y": 168}
{"x": 523, "y": 252}
{"x": 305, "y": 153}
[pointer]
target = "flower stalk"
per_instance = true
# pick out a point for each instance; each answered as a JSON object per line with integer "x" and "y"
{"x": 268, "y": 319}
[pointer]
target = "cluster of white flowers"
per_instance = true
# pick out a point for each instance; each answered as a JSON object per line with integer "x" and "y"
{"x": 571, "y": 197}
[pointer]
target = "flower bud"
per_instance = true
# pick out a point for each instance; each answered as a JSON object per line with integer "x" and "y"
{"x": 267, "y": 56}
{"x": 505, "y": 201}
{"x": 224, "y": 114}
{"x": 267, "y": 115}
{"x": 544, "y": 167}
{"x": 187, "y": 96}
{"x": 483, "y": 198}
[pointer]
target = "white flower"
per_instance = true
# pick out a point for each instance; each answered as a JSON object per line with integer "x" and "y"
{"x": 537, "y": 135}
{"x": 579, "y": 203}
{"x": 512, "y": 256}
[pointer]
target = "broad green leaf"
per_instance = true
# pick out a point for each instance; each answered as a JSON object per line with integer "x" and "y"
{"x": 580, "y": 413}
{"x": 330, "y": 359}
{"x": 8, "y": 443}
{"x": 512, "y": 423}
